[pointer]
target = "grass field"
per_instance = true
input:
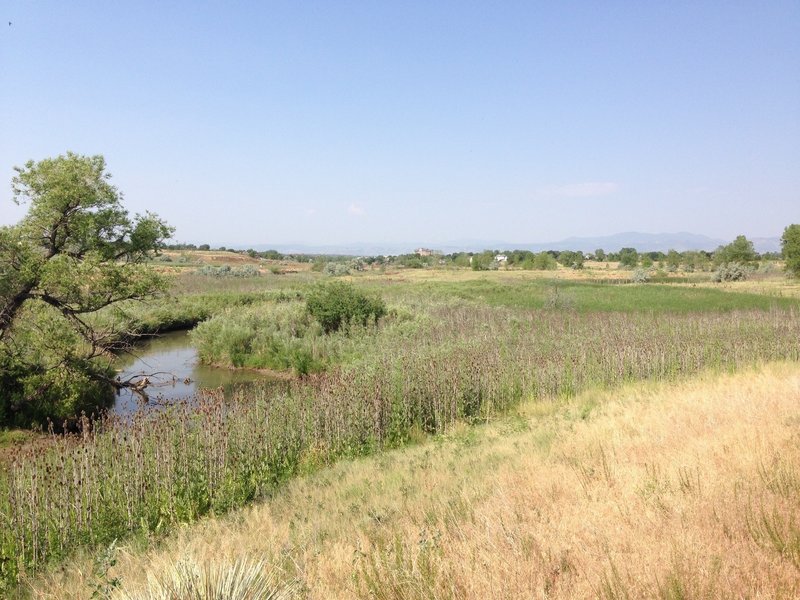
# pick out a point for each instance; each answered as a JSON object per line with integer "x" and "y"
{"x": 588, "y": 297}
{"x": 457, "y": 350}
{"x": 683, "y": 490}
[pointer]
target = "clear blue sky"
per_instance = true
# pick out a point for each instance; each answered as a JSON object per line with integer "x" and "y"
{"x": 335, "y": 122}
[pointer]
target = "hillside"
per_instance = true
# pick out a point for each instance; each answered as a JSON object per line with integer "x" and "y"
{"x": 675, "y": 491}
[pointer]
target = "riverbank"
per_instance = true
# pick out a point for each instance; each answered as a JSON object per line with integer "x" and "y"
{"x": 654, "y": 490}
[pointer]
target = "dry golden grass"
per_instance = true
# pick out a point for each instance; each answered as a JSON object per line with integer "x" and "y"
{"x": 212, "y": 257}
{"x": 217, "y": 258}
{"x": 688, "y": 490}
{"x": 597, "y": 271}
{"x": 776, "y": 285}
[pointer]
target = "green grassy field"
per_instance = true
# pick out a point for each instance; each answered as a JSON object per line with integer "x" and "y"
{"x": 590, "y": 297}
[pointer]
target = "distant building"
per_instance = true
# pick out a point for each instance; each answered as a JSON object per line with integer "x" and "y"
{"x": 501, "y": 258}
{"x": 423, "y": 251}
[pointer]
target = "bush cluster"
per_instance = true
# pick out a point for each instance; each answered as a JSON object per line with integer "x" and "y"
{"x": 278, "y": 336}
{"x": 338, "y": 304}
{"x": 337, "y": 269}
{"x": 228, "y": 271}
{"x": 731, "y": 272}
{"x": 288, "y": 335}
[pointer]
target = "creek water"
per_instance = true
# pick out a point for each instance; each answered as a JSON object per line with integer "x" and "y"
{"x": 171, "y": 365}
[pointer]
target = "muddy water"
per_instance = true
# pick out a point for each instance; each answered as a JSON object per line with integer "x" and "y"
{"x": 171, "y": 365}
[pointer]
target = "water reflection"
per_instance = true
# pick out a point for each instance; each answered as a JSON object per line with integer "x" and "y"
{"x": 170, "y": 363}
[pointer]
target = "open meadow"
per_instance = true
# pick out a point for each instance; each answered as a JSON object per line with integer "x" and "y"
{"x": 571, "y": 436}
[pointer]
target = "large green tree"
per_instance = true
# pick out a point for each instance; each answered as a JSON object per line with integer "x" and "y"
{"x": 628, "y": 257}
{"x": 568, "y": 258}
{"x": 544, "y": 261}
{"x": 673, "y": 260}
{"x": 76, "y": 252}
{"x": 790, "y": 243}
{"x": 600, "y": 254}
{"x": 740, "y": 251}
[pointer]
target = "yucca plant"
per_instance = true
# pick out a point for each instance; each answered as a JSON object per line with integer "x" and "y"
{"x": 242, "y": 579}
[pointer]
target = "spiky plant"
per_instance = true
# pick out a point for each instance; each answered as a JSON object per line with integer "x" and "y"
{"x": 242, "y": 579}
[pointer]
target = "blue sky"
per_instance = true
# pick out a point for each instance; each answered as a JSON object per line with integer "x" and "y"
{"x": 336, "y": 122}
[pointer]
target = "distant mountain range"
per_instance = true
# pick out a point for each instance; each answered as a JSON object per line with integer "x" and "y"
{"x": 643, "y": 242}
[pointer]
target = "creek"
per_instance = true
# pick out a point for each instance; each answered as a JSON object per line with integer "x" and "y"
{"x": 172, "y": 367}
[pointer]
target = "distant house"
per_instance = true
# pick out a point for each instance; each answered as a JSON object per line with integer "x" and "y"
{"x": 501, "y": 258}
{"x": 423, "y": 251}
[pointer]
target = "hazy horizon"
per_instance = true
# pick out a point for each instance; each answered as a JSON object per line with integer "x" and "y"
{"x": 335, "y": 124}
{"x": 641, "y": 241}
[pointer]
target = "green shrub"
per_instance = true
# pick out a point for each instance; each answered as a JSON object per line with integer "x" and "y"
{"x": 279, "y": 336}
{"x": 45, "y": 377}
{"x": 247, "y": 271}
{"x": 338, "y": 304}
{"x": 282, "y": 335}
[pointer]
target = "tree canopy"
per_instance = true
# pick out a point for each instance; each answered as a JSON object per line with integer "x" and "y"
{"x": 76, "y": 251}
{"x": 740, "y": 251}
{"x": 790, "y": 243}
{"x": 628, "y": 257}
{"x": 600, "y": 254}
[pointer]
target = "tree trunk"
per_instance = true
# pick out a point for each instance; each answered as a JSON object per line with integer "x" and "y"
{"x": 11, "y": 307}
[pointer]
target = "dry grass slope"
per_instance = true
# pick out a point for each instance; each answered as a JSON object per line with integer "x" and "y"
{"x": 688, "y": 490}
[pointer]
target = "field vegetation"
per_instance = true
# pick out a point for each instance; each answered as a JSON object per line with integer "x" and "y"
{"x": 652, "y": 490}
{"x": 334, "y": 322}
{"x": 443, "y": 355}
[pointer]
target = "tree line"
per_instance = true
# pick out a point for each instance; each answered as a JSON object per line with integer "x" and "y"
{"x": 740, "y": 251}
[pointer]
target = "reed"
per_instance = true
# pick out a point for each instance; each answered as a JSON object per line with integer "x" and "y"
{"x": 458, "y": 362}
{"x": 646, "y": 491}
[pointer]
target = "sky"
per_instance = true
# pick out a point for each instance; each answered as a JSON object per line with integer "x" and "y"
{"x": 250, "y": 123}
